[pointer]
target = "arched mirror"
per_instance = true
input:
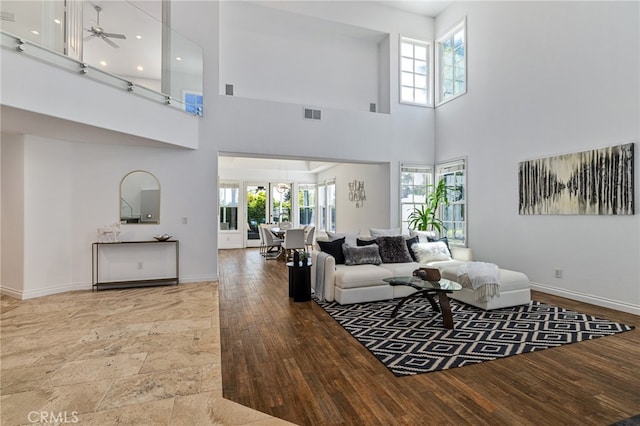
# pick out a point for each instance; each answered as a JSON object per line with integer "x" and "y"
{"x": 139, "y": 198}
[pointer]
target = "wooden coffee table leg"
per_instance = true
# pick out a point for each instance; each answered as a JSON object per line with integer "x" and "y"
{"x": 445, "y": 307}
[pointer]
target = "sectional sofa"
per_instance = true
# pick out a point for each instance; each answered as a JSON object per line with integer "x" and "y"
{"x": 348, "y": 282}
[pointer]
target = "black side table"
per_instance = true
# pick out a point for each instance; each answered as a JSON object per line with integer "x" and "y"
{"x": 299, "y": 282}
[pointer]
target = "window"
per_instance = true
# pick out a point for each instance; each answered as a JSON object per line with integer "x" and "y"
{"x": 414, "y": 72}
{"x": 193, "y": 103}
{"x": 327, "y": 205}
{"x": 307, "y": 203}
{"x": 415, "y": 182}
{"x": 228, "y": 202}
{"x": 452, "y": 64}
{"x": 454, "y": 216}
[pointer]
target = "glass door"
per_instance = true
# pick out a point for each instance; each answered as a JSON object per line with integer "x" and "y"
{"x": 256, "y": 208}
{"x": 280, "y": 202}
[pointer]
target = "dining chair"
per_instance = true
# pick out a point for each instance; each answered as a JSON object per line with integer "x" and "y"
{"x": 261, "y": 228}
{"x": 271, "y": 242}
{"x": 309, "y": 232}
{"x": 285, "y": 225}
{"x": 293, "y": 240}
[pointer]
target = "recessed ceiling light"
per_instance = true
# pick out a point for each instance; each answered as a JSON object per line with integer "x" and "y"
{"x": 57, "y": 21}
{"x": 140, "y": 68}
{"x": 35, "y": 32}
{"x": 103, "y": 63}
{"x": 178, "y": 58}
{"x": 138, "y": 36}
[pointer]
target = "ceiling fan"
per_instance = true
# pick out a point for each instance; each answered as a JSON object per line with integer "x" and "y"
{"x": 98, "y": 32}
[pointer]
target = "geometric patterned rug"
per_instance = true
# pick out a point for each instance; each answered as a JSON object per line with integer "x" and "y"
{"x": 416, "y": 341}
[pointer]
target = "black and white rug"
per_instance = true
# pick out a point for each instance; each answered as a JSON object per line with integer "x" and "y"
{"x": 416, "y": 342}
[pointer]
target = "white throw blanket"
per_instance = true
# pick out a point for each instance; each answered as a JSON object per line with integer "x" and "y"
{"x": 483, "y": 278}
{"x": 320, "y": 261}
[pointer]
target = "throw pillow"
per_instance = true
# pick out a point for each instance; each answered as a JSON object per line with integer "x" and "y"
{"x": 393, "y": 249}
{"x": 424, "y": 236}
{"x": 391, "y": 232}
{"x": 334, "y": 248}
{"x": 365, "y": 255}
{"x": 410, "y": 242}
{"x": 365, "y": 242}
{"x": 349, "y": 237}
{"x": 443, "y": 239}
{"x": 431, "y": 252}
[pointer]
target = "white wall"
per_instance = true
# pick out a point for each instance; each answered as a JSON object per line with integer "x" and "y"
{"x": 13, "y": 213}
{"x": 373, "y": 214}
{"x": 547, "y": 78}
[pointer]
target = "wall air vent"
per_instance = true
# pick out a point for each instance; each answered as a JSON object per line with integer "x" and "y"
{"x": 312, "y": 114}
{"x": 228, "y": 89}
{"x": 372, "y": 107}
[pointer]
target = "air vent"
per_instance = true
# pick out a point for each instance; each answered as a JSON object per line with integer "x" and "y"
{"x": 372, "y": 107}
{"x": 228, "y": 89}
{"x": 312, "y": 114}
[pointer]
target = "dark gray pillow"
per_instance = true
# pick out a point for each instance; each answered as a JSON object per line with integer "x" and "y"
{"x": 365, "y": 255}
{"x": 393, "y": 249}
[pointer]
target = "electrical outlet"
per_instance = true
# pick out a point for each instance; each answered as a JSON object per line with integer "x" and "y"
{"x": 558, "y": 273}
{"x": 140, "y": 265}
{"x": 185, "y": 220}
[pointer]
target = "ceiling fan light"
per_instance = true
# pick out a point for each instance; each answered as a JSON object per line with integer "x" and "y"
{"x": 138, "y": 36}
{"x": 178, "y": 58}
{"x": 35, "y": 32}
{"x": 140, "y": 68}
{"x": 57, "y": 21}
{"x": 103, "y": 63}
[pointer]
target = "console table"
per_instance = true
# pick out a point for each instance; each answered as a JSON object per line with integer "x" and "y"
{"x": 95, "y": 267}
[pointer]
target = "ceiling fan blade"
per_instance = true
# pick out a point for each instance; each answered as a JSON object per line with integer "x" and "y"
{"x": 113, "y": 35}
{"x": 110, "y": 43}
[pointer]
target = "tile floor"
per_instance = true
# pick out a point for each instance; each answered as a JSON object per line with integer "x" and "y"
{"x": 148, "y": 356}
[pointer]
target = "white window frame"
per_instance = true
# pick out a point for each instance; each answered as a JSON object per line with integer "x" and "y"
{"x": 326, "y": 205}
{"x": 407, "y": 207}
{"x": 428, "y": 73}
{"x": 233, "y": 202}
{"x": 448, "y": 168}
{"x": 311, "y": 187}
{"x": 447, "y": 36}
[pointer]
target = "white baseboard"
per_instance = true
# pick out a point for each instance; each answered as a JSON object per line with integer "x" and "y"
{"x": 587, "y": 298}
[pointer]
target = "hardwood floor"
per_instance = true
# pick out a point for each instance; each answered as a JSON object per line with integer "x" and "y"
{"x": 293, "y": 361}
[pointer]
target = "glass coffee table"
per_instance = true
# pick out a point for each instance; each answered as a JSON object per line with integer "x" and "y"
{"x": 428, "y": 289}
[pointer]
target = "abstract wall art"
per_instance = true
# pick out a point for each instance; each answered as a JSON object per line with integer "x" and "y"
{"x": 596, "y": 182}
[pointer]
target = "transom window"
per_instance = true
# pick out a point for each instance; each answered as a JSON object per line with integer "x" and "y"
{"x": 414, "y": 72}
{"x": 451, "y": 57}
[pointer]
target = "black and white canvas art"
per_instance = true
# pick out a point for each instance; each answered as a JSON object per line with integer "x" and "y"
{"x": 599, "y": 182}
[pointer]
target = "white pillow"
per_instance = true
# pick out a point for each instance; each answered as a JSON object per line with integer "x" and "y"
{"x": 431, "y": 252}
{"x": 391, "y": 232}
{"x": 349, "y": 237}
{"x": 423, "y": 236}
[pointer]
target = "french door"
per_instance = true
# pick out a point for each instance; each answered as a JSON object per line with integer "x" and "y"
{"x": 266, "y": 203}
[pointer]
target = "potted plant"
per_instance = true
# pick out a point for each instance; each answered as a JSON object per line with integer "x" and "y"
{"x": 424, "y": 218}
{"x": 304, "y": 257}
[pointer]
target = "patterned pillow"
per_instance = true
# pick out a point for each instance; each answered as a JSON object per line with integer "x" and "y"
{"x": 334, "y": 248}
{"x": 365, "y": 255}
{"x": 393, "y": 249}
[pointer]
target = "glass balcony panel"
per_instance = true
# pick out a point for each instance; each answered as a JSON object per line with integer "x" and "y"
{"x": 138, "y": 53}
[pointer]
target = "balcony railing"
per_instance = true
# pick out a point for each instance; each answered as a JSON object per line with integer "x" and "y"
{"x": 118, "y": 44}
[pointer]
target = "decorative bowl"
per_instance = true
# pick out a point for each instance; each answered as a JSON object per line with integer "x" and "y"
{"x": 163, "y": 237}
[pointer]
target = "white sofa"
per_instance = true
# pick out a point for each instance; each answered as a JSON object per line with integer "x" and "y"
{"x": 364, "y": 283}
